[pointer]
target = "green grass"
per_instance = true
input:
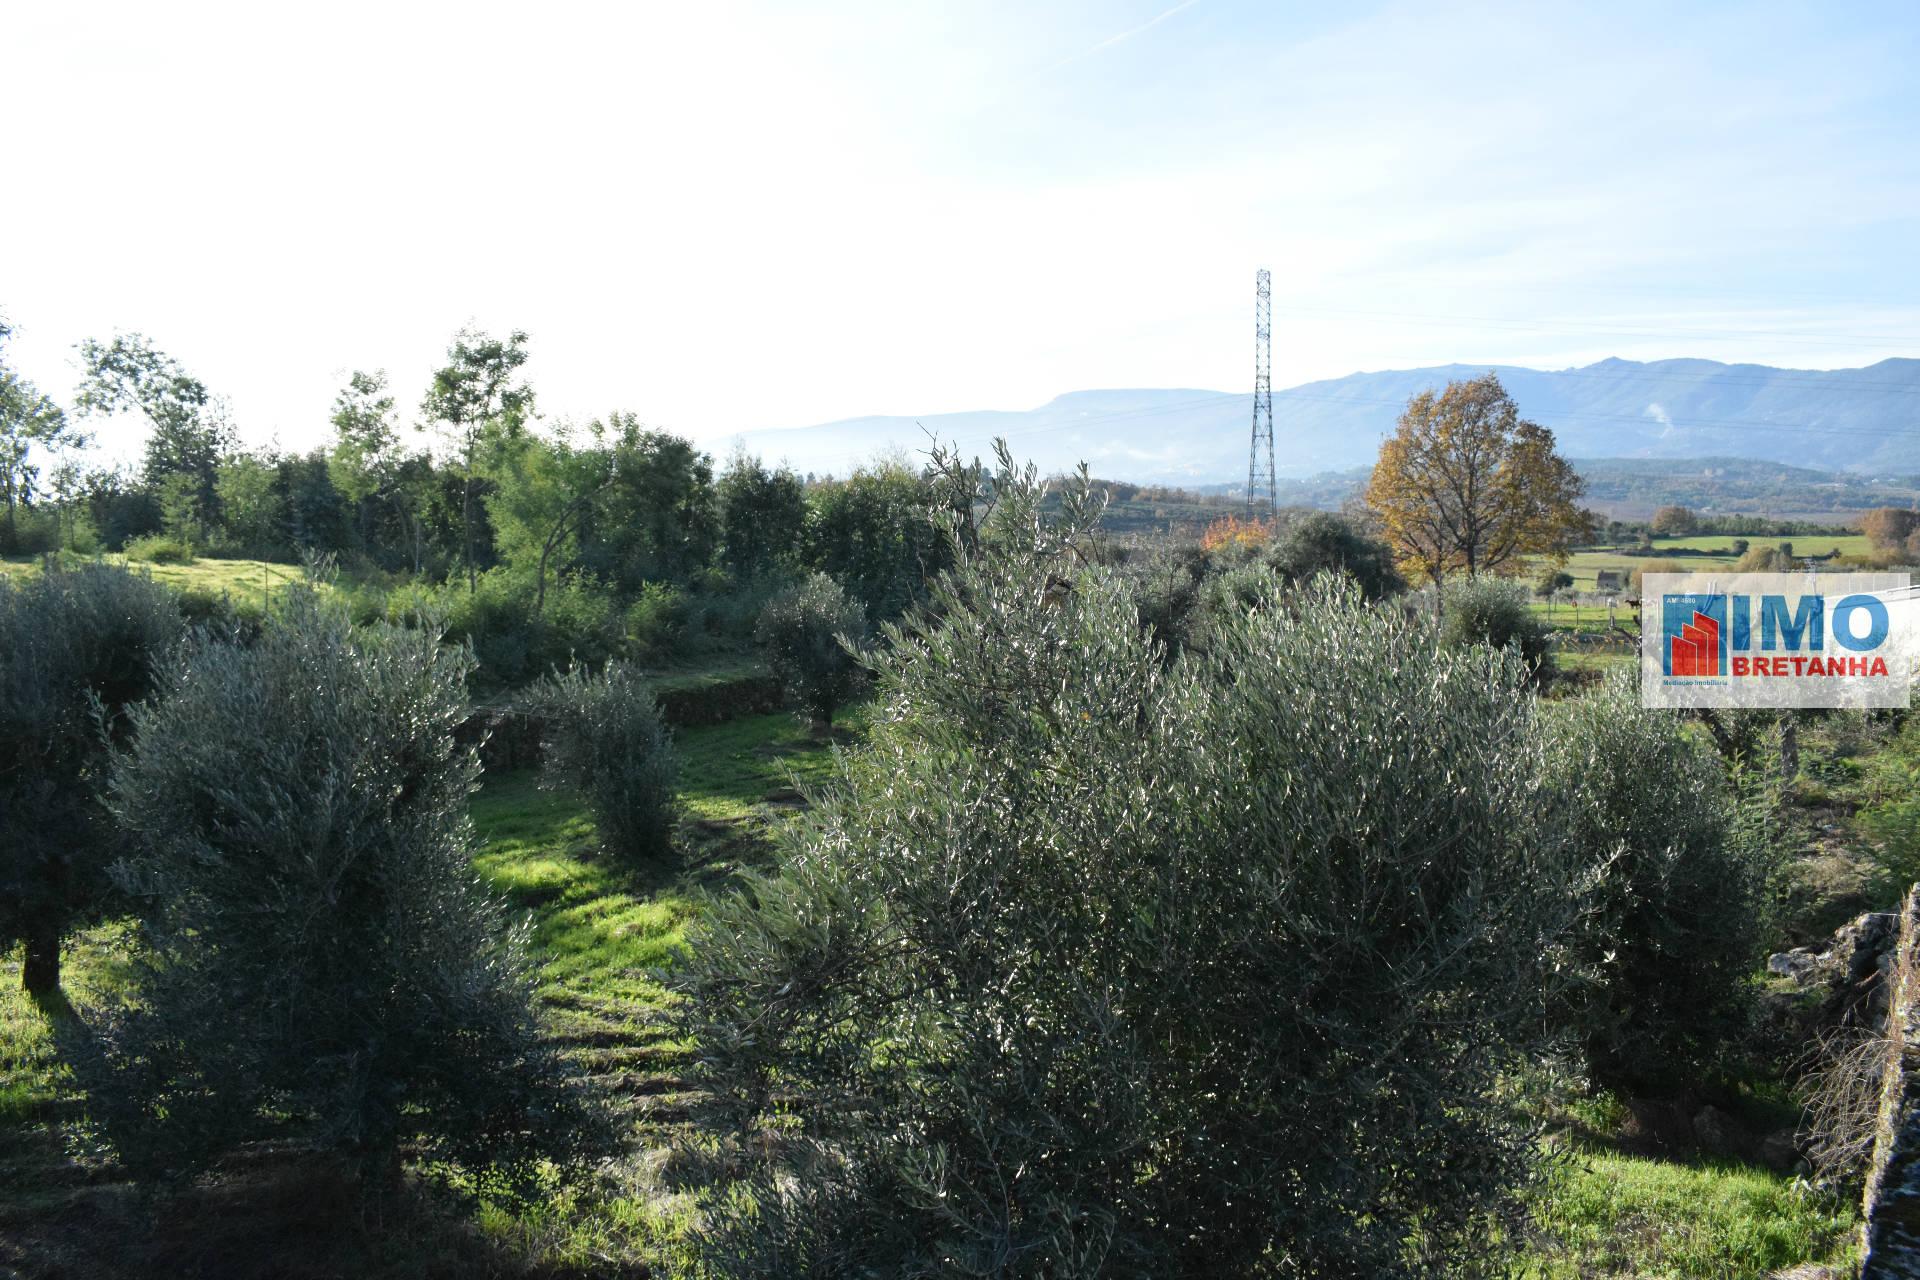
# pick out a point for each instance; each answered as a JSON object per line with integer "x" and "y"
{"x": 1584, "y": 566}
{"x": 247, "y": 581}
{"x": 1602, "y": 1213}
{"x": 711, "y": 670}
{"x": 727, "y": 769}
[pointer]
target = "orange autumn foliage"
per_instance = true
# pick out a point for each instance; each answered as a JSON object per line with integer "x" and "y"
{"x": 1233, "y": 532}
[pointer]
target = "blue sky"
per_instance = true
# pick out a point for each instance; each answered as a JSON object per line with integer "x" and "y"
{"x": 726, "y": 216}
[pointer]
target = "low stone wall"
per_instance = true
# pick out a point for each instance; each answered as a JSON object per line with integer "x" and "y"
{"x": 685, "y": 706}
{"x": 508, "y": 734}
{"x": 1893, "y": 1181}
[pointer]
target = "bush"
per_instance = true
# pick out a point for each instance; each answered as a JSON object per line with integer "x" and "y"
{"x": 1494, "y": 612}
{"x": 1766, "y": 560}
{"x": 1325, "y": 543}
{"x": 323, "y": 962}
{"x": 1680, "y": 869}
{"x": 603, "y": 737}
{"x": 656, "y": 622}
{"x": 1166, "y": 587}
{"x": 511, "y": 642}
{"x": 1223, "y": 598}
{"x": 800, "y": 632}
{"x": 1552, "y": 582}
{"x": 159, "y": 548}
{"x": 69, "y": 639}
{"x": 1091, "y": 967}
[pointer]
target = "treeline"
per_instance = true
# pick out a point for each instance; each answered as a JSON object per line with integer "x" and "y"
{"x": 533, "y": 543}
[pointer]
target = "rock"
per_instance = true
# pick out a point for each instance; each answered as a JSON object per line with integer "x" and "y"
{"x": 1780, "y": 1150}
{"x": 1719, "y": 1133}
{"x": 1798, "y": 964}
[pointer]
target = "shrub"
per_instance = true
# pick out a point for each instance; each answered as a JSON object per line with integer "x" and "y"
{"x": 1092, "y": 967}
{"x": 1890, "y": 816}
{"x": 801, "y": 633}
{"x": 511, "y": 642}
{"x": 1223, "y": 598}
{"x": 1551, "y": 583}
{"x": 603, "y": 736}
{"x": 323, "y": 961}
{"x": 69, "y": 639}
{"x": 1680, "y": 872}
{"x": 160, "y": 548}
{"x": 656, "y": 621}
{"x": 1166, "y": 587}
{"x": 1766, "y": 560}
{"x": 1324, "y": 543}
{"x": 1231, "y": 534}
{"x": 1494, "y": 612}
{"x": 220, "y": 611}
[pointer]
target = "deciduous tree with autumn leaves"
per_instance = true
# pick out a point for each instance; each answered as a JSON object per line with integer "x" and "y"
{"x": 1466, "y": 485}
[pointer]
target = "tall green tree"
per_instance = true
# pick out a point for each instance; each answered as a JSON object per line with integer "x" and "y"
{"x": 372, "y": 467}
{"x": 479, "y": 401}
{"x": 543, "y": 497}
{"x": 190, "y": 431}
{"x": 29, "y": 421}
{"x": 252, "y": 506}
{"x": 656, "y": 521}
{"x": 875, "y": 533}
{"x": 762, "y": 515}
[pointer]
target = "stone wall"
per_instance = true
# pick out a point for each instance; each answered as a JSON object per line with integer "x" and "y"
{"x": 1893, "y": 1180}
{"x": 508, "y": 734}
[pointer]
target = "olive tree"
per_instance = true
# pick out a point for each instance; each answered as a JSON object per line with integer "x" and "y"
{"x": 1093, "y": 965}
{"x": 76, "y": 648}
{"x": 801, "y": 631}
{"x": 322, "y": 960}
{"x": 1679, "y": 862}
{"x": 602, "y": 736}
{"x": 1493, "y": 611}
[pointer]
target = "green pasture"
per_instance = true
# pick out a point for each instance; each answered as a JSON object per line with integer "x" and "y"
{"x": 1584, "y": 565}
{"x": 247, "y": 581}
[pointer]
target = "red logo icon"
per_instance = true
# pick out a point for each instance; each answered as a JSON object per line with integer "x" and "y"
{"x": 1696, "y": 650}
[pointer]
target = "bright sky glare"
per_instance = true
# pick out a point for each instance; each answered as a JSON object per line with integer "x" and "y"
{"x": 738, "y": 215}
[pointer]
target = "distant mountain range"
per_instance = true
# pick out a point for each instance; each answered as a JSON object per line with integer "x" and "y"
{"x": 1864, "y": 421}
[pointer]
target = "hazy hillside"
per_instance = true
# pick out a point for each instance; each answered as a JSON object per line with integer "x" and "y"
{"x": 1634, "y": 488}
{"x": 1865, "y": 421}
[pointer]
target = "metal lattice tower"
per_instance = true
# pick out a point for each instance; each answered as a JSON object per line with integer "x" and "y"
{"x": 1261, "y": 485}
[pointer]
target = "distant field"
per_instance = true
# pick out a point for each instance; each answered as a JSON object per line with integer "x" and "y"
{"x": 249, "y": 581}
{"x": 1586, "y": 565}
